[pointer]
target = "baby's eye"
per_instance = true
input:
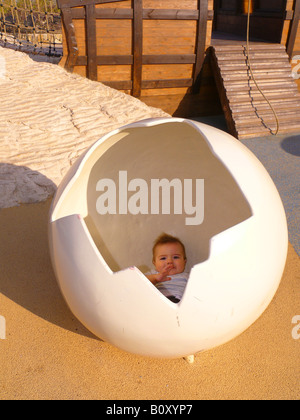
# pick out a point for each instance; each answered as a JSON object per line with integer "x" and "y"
{"x": 162, "y": 258}
{"x": 176, "y": 257}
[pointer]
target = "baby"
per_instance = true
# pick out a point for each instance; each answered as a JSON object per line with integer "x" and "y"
{"x": 169, "y": 260}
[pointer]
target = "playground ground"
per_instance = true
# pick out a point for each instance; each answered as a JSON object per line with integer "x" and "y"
{"x": 45, "y": 352}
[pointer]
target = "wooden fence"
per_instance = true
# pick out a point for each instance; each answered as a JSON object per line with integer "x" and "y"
{"x": 32, "y": 26}
{"x": 139, "y": 46}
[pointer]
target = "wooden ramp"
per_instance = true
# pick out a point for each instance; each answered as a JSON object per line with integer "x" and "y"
{"x": 246, "y": 111}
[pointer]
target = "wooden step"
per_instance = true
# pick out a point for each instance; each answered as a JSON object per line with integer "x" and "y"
{"x": 261, "y": 131}
{"x": 261, "y": 76}
{"x": 256, "y": 67}
{"x": 256, "y": 97}
{"x": 223, "y": 49}
{"x": 247, "y": 112}
{"x": 266, "y": 86}
{"x": 286, "y": 106}
{"x": 253, "y": 57}
{"x": 260, "y": 127}
{"x": 267, "y": 115}
{"x": 271, "y": 122}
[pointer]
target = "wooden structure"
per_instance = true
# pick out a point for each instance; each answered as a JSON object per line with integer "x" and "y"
{"x": 247, "y": 112}
{"x": 159, "y": 50}
{"x": 152, "y": 49}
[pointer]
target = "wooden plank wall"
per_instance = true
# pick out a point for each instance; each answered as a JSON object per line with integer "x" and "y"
{"x": 266, "y": 18}
{"x": 146, "y": 50}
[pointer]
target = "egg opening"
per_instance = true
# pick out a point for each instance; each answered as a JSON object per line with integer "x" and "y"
{"x": 163, "y": 164}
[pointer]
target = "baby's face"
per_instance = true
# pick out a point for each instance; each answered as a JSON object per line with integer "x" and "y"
{"x": 169, "y": 255}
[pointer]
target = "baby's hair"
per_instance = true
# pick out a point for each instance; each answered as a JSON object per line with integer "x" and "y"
{"x": 164, "y": 238}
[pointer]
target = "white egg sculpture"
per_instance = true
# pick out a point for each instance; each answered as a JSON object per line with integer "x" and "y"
{"x": 192, "y": 181}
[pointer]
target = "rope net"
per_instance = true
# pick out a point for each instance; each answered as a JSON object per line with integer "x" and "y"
{"x": 32, "y": 26}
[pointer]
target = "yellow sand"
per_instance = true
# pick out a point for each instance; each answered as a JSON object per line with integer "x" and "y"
{"x": 48, "y": 354}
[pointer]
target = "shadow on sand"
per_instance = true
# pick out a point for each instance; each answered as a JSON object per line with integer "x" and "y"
{"x": 26, "y": 275}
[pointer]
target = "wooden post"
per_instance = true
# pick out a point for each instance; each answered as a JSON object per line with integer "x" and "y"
{"x": 137, "y": 46}
{"x": 71, "y": 39}
{"x": 91, "y": 42}
{"x": 293, "y": 30}
{"x": 89, "y": 58}
{"x": 201, "y": 40}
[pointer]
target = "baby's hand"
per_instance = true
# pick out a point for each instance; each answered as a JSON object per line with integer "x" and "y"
{"x": 161, "y": 276}
{"x": 164, "y": 275}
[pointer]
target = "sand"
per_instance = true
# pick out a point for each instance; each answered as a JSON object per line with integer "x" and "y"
{"x": 48, "y": 354}
{"x": 48, "y": 117}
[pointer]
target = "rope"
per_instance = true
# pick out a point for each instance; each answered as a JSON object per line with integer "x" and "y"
{"x": 252, "y": 75}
